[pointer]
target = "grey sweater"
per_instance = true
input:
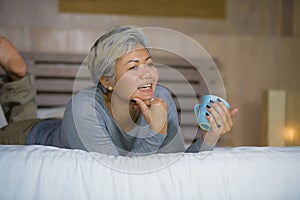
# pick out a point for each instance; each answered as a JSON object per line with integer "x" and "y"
{"x": 88, "y": 125}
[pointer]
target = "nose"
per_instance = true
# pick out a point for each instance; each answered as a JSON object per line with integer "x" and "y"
{"x": 146, "y": 73}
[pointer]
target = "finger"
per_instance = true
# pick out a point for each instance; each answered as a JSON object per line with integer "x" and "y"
{"x": 234, "y": 111}
{"x": 155, "y": 100}
{"x": 213, "y": 125}
{"x": 227, "y": 123}
{"x": 149, "y": 101}
{"x": 141, "y": 104}
{"x": 229, "y": 118}
{"x": 144, "y": 109}
{"x": 218, "y": 113}
{"x": 222, "y": 106}
{"x": 230, "y": 114}
{"x": 226, "y": 128}
{"x": 160, "y": 102}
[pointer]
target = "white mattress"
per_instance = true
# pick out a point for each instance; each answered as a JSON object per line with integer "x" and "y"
{"x": 40, "y": 172}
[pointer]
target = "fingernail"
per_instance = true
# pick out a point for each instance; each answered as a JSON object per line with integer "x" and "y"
{"x": 133, "y": 101}
{"x": 211, "y": 101}
{"x": 208, "y": 106}
{"x": 219, "y": 100}
{"x": 206, "y": 113}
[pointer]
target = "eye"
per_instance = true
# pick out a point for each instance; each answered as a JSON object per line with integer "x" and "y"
{"x": 150, "y": 64}
{"x": 133, "y": 68}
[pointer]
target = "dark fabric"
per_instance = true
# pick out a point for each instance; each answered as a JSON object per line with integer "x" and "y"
{"x": 47, "y": 132}
{"x": 16, "y": 132}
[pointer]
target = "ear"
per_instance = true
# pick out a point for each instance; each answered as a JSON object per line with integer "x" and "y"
{"x": 106, "y": 83}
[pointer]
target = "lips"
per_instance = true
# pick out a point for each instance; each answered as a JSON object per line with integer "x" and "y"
{"x": 145, "y": 86}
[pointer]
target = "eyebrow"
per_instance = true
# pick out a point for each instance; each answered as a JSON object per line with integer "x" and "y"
{"x": 149, "y": 57}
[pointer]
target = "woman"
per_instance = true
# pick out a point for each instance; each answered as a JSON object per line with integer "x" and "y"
{"x": 127, "y": 113}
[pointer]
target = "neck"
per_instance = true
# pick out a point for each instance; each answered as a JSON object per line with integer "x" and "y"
{"x": 119, "y": 111}
{"x": 107, "y": 99}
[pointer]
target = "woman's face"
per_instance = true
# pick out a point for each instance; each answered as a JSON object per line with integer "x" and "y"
{"x": 135, "y": 75}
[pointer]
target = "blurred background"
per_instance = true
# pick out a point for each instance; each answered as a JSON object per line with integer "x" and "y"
{"x": 256, "y": 44}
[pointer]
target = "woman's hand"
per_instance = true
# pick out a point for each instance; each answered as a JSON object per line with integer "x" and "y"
{"x": 155, "y": 112}
{"x": 220, "y": 119}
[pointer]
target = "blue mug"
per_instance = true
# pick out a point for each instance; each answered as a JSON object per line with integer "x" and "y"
{"x": 201, "y": 109}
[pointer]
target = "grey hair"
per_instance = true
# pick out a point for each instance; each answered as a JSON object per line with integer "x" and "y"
{"x": 111, "y": 46}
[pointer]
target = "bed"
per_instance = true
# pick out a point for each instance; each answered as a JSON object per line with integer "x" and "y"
{"x": 40, "y": 172}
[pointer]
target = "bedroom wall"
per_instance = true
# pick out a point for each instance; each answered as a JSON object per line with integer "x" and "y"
{"x": 257, "y": 46}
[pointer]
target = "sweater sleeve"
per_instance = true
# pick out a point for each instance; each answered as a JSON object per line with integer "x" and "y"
{"x": 199, "y": 145}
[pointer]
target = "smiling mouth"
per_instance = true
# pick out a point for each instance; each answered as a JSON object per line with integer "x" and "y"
{"x": 145, "y": 86}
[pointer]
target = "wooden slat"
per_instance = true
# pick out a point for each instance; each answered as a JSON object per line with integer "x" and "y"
{"x": 178, "y": 62}
{"x": 53, "y": 58}
{"x": 61, "y": 85}
{"x": 178, "y": 74}
{"x": 52, "y": 100}
{"x": 182, "y": 89}
{"x": 188, "y": 119}
{"x": 186, "y": 103}
{"x": 61, "y": 70}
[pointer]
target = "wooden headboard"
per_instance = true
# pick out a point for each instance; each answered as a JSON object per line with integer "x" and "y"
{"x": 54, "y": 74}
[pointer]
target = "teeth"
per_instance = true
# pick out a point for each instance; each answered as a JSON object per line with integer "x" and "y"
{"x": 143, "y": 87}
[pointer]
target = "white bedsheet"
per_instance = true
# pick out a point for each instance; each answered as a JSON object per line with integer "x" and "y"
{"x": 39, "y": 172}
